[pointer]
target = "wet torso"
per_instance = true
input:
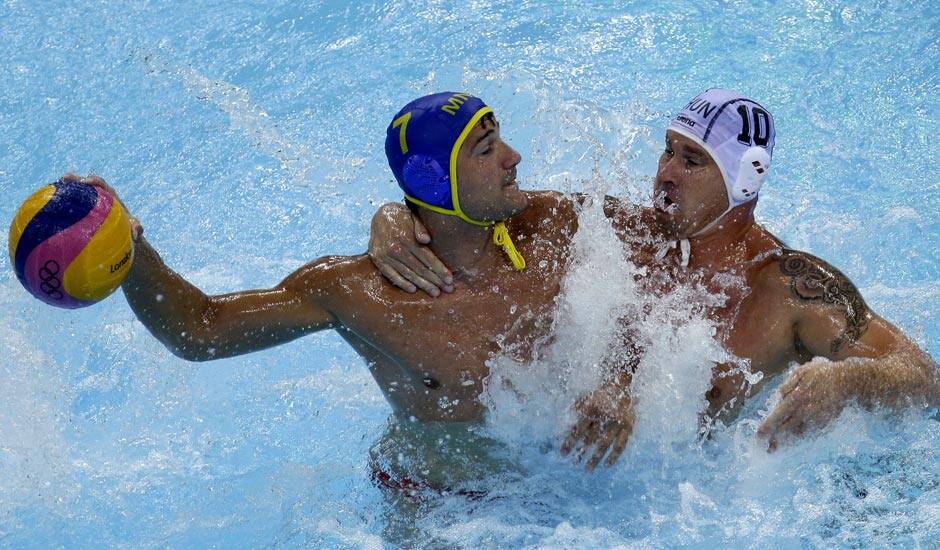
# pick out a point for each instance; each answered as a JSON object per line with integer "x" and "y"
{"x": 429, "y": 355}
{"x": 755, "y": 322}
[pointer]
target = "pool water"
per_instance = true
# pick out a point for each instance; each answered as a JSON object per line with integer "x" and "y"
{"x": 248, "y": 138}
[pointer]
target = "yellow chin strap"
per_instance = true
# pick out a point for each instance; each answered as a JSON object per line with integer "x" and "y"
{"x": 501, "y": 238}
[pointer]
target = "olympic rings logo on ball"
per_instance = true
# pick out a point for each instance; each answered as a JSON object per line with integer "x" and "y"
{"x": 50, "y": 283}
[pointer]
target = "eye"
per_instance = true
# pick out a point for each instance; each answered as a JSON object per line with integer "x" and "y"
{"x": 667, "y": 152}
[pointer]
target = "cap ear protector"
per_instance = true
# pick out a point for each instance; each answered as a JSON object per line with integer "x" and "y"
{"x": 752, "y": 173}
{"x": 427, "y": 178}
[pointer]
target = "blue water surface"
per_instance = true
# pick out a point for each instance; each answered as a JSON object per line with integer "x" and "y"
{"x": 248, "y": 138}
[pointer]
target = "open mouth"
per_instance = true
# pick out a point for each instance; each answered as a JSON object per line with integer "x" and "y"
{"x": 663, "y": 203}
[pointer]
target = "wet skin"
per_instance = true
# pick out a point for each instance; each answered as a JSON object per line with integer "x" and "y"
{"x": 787, "y": 306}
{"x": 427, "y": 355}
{"x": 763, "y": 321}
{"x": 782, "y": 306}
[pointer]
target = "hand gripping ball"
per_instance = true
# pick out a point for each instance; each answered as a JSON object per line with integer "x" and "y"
{"x": 70, "y": 244}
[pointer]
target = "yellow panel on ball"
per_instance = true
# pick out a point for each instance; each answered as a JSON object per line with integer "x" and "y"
{"x": 105, "y": 260}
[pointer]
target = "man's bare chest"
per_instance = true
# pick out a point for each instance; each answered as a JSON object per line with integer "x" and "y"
{"x": 753, "y": 323}
{"x": 759, "y": 329}
{"x": 449, "y": 339}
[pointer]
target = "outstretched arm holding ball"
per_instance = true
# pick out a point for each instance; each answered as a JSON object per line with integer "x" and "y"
{"x": 198, "y": 327}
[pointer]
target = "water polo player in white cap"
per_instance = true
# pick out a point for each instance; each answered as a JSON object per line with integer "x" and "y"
{"x": 785, "y": 307}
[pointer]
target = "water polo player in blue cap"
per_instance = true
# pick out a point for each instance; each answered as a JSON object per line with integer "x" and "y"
{"x": 788, "y": 306}
{"x": 429, "y": 356}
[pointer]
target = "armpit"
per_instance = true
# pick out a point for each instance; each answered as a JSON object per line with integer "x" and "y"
{"x": 812, "y": 279}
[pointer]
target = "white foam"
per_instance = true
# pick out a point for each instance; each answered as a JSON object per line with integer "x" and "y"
{"x": 34, "y": 454}
{"x": 533, "y": 402}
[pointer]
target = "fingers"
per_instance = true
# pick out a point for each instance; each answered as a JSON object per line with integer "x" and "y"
{"x": 788, "y": 419}
{"x": 395, "y": 278}
{"x": 613, "y": 438}
{"x": 575, "y": 434}
{"x": 775, "y": 419}
{"x": 788, "y": 405}
{"x": 620, "y": 443}
{"x": 589, "y": 437}
{"x": 393, "y": 249}
{"x": 772, "y": 423}
{"x": 425, "y": 267}
{"x": 137, "y": 230}
{"x": 421, "y": 232}
{"x": 420, "y": 260}
{"x": 793, "y": 426}
{"x": 603, "y": 444}
{"x": 793, "y": 381}
{"x": 416, "y": 279}
{"x": 97, "y": 181}
{"x": 404, "y": 270}
{"x": 604, "y": 426}
{"x": 441, "y": 273}
{"x": 588, "y": 433}
{"x": 790, "y": 428}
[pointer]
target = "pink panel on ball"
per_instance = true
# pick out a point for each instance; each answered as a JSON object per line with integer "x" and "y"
{"x": 62, "y": 248}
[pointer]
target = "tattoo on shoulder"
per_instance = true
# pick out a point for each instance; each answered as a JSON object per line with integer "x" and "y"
{"x": 814, "y": 279}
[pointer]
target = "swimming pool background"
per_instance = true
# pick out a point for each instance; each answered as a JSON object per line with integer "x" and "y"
{"x": 248, "y": 139}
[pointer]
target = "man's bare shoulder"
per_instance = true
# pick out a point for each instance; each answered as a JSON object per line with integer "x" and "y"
{"x": 329, "y": 271}
{"x": 809, "y": 277}
{"x": 346, "y": 285}
{"x": 813, "y": 285}
{"x": 548, "y": 199}
{"x": 345, "y": 265}
{"x": 547, "y": 206}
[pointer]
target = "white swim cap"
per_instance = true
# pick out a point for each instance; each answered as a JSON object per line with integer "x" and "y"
{"x": 737, "y": 132}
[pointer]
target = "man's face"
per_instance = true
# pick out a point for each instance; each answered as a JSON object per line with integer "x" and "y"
{"x": 689, "y": 191}
{"x": 486, "y": 174}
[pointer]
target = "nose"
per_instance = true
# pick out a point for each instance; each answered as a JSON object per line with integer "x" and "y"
{"x": 665, "y": 173}
{"x": 512, "y": 159}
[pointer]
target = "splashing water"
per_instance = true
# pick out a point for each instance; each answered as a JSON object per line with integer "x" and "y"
{"x": 248, "y": 140}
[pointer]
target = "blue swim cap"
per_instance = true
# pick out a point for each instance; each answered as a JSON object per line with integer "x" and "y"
{"x": 422, "y": 144}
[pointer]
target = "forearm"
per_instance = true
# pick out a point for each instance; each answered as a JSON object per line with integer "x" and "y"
{"x": 895, "y": 380}
{"x": 197, "y": 327}
{"x": 163, "y": 301}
